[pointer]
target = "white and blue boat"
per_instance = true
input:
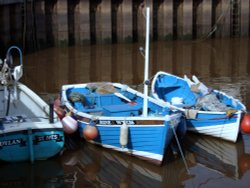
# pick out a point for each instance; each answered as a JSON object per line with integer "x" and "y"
{"x": 29, "y": 128}
{"x": 209, "y": 112}
{"x": 126, "y": 120}
{"x": 119, "y": 120}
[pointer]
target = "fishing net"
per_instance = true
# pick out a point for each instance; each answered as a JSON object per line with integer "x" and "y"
{"x": 211, "y": 103}
{"x": 102, "y": 88}
{"x": 76, "y": 97}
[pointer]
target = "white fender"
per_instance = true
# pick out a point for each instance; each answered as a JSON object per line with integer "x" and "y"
{"x": 69, "y": 124}
{"x": 124, "y": 135}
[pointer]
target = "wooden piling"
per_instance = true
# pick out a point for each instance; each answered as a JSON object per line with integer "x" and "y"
{"x": 40, "y": 25}
{"x": 125, "y": 22}
{"x": 82, "y": 26}
{"x": 187, "y": 20}
{"x": 204, "y": 20}
{"x": 66, "y": 23}
{"x": 61, "y": 23}
{"x": 103, "y": 22}
{"x": 165, "y": 20}
{"x": 5, "y": 23}
{"x": 244, "y": 18}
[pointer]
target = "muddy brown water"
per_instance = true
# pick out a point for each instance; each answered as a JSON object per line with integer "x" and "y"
{"x": 220, "y": 63}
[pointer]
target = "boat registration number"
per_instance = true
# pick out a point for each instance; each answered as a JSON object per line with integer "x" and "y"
{"x": 116, "y": 122}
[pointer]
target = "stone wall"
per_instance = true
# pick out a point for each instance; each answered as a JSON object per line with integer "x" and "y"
{"x": 43, "y": 23}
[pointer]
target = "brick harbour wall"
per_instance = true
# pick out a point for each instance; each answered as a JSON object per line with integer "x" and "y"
{"x": 44, "y": 23}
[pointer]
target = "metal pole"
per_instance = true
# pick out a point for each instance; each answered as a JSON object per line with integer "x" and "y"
{"x": 145, "y": 102}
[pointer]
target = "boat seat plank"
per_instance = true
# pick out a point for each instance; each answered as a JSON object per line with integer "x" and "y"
{"x": 163, "y": 85}
{"x": 122, "y": 109}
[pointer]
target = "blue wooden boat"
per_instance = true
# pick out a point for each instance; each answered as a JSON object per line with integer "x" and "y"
{"x": 210, "y": 112}
{"x": 117, "y": 114}
{"x": 29, "y": 128}
{"x": 126, "y": 120}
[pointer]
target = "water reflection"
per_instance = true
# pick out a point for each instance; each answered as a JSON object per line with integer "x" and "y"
{"x": 216, "y": 162}
{"x": 223, "y": 64}
{"x": 102, "y": 167}
{"x": 211, "y": 162}
{"x": 220, "y": 63}
{"x": 47, "y": 173}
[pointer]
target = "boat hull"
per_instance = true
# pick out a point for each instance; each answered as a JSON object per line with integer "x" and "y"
{"x": 166, "y": 87}
{"x": 27, "y": 132}
{"x": 31, "y": 144}
{"x": 145, "y": 140}
{"x": 147, "y": 137}
{"x": 216, "y": 125}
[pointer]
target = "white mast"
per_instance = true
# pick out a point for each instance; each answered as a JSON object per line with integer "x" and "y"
{"x": 145, "y": 102}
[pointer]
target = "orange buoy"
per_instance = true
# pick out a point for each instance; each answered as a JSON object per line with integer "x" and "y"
{"x": 245, "y": 124}
{"x": 90, "y": 132}
{"x": 69, "y": 124}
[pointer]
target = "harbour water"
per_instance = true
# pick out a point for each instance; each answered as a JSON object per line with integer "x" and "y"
{"x": 222, "y": 64}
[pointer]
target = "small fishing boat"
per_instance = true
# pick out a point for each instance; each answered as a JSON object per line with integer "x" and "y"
{"x": 115, "y": 112}
{"x": 210, "y": 112}
{"x": 118, "y": 117}
{"x": 29, "y": 128}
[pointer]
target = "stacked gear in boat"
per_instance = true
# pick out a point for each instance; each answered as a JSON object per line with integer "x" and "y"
{"x": 207, "y": 100}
